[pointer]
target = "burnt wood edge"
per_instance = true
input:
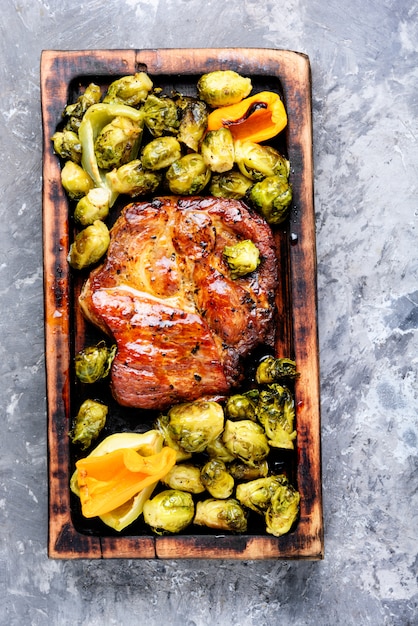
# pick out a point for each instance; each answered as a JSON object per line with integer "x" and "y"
{"x": 58, "y": 69}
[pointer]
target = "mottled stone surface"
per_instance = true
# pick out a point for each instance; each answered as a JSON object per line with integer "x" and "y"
{"x": 365, "y": 84}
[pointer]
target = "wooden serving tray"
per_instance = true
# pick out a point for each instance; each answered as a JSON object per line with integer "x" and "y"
{"x": 62, "y": 75}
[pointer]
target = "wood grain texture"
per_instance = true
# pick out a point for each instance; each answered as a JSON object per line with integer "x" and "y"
{"x": 61, "y": 74}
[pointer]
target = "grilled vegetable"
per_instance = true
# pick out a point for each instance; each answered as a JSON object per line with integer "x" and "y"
{"x": 160, "y": 115}
{"x": 217, "y": 480}
{"x": 272, "y": 197}
{"x": 276, "y": 413}
{"x": 185, "y": 477}
{"x": 193, "y": 121}
{"x": 160, "y": 153}
{"x": 221, "y": 515}
{"x": 89, "y": 245}
{"x": 189, "y": 175}
{"x": 93, "y": 362}
{"x": 242, "y": 258}
{"x": 131, "y": 90}
{"x": 170, "y": 511}
{"x": 67, "y": 145}
{"x": 283, "y": 510}
{"x": 257, "y": 161}
{"x": 223, "y": 87}
{"x": 76, "y": 182}
{"x": 89, "y": 423}
{"x": 217, "y": 150}
{"x": 230, "y": 184}
{"x": 133, "y": 179}
{"x": 93, "y": 206}
{"x": 246, "y": 440}
{"x": 272, "y": 370}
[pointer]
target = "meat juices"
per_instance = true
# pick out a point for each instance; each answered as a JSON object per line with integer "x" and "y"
{"x": 182, "y": 326}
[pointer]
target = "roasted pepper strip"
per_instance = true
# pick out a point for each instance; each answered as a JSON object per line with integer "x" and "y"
{"x": 257, "y": 118}
{"x": 106, "y": 482}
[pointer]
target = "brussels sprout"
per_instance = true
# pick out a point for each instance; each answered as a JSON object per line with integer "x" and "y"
{"x": 89, "y": 422}
{"x": 188, "y": 175}
{"x": 246, "y": 440}
{"x": 271, "y": 197}
{"x": 193, "y": 121}
{"x": 89, "y": 245}
{"x": 239, "y": 407}
{"x": 231, "y": 184}
{"x": 74, "y": 112}
{"x": 169, "y": 511}
{"x": 257, "y": 161}
{"x": 117, "y": 143}
{"x": 129, "y": 90}
{"x": 217, "y": 480}
{"x": 240, "y": 471}
{"x": 221, "y": 515}
{"x": 223, "y": 87}
{"x": 160, "y": 153}
{"x": 185, "y": 477}
{"x": 132, "y": 179}
{"x": 93, "y": 363}
{"x": 67, "y": 145}
{"x": 272, "y": 370}
{"x": 217, "y": 150}
{"x": 242, "y": 258}
{"x": 276, "y": 413}
{"x": 192, "y": 425}
{"x": 160, "y": 115}
{"x": 76, "y": 182}
{"x": 93, "y": 206}
{"x": 216, "y": 450}
{"x": 283, "y": 510}
{"x": 257, "y": 494}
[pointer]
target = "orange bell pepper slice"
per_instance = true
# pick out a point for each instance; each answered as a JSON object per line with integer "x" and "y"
{"x": 106, "y": 482}
{"x": 257, "y": 118}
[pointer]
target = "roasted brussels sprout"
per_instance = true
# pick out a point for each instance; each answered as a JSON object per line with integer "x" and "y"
{"x": 231, "y": 184}
{"x": 89, "y": 423}
{"x": 217, "y": 150}
{"x": 257, "y": 161}
{"x": 133, "y": 180}
{"x": 160, "y": 153}
{"x": 283, "y": 510}
{"x": 240, "y": 471}
{"x": 226, "y": 515}
{"x": 257, "y": 494}
{"x": 271, "y": 197}
{"x": 130, "y": 90}
{"x": 76, "y": 182}
{"x": 276, "y": 413}
{"x": 217, "y": 480}
{"x": 273, "y": 370}
{"x": 185, "y": 477}
{"x": 67, "y": 145}
{"x": 192, "y": 425}
{"x": 216, "y": 450}
{"x": 160, "y": 115}
{"x": 246, "y": 440}
{"x": 93, "y": 362}
{"x": 89, "y": 245}
{"x": 74, "y": 112}
{"x": 240, "y": 406}
{"x": 117, "y": 143}
{"x": 193, "y": 121}
{"x": 169, "y": 511}
{"x": 242, "y": 258}
{"x": 223, "y": 87}
{"x": 188, "y": 175}
{"x": 93, "y": 206}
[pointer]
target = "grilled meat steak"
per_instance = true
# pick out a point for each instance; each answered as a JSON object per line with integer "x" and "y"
{"x": 164, "y": 293}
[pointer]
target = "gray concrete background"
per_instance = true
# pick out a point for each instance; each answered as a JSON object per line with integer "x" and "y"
{"x": 365, "y": 77}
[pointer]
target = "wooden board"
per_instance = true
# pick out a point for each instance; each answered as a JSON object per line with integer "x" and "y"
{"x": 63, "y": 74}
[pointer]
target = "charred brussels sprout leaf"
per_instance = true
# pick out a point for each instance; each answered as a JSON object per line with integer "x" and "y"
{"x": 217, "y": 150}
{"x": 89, "y": 245}
{"x": 226, "y": 515}
{"x": 170, "y": 511}
{"x": 223, "y": 87}
{"x": 272, "y": 197}
{"x": 242, "y": 258}
{"x": 129, "y": 90}
{"x": 94, "y": 362}
{"x": 188, "y": 176}
{"x": 160, "y": 115}
{"x": 89, "y": 422}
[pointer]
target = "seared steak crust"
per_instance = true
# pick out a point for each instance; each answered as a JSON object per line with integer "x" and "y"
{"x": 164, "y": 293}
